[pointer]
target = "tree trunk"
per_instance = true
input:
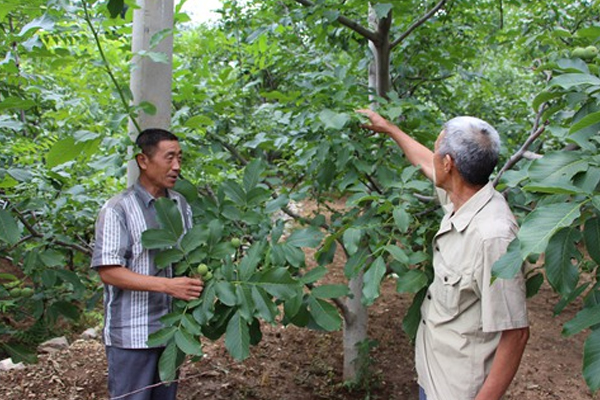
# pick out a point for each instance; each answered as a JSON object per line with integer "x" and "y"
{"x": 355, "y": 328}
{"x": 151, "y": 81}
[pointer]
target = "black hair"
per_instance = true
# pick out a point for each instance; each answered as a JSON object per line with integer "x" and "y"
{"x": 148, "y": 139}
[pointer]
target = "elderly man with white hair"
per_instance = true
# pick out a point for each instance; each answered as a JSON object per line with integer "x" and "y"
{"x": 473, "y": 331}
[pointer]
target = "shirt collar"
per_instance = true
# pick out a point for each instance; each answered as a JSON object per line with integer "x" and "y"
{"x": 461, "y": 218}
{"x": 146, "y": 197}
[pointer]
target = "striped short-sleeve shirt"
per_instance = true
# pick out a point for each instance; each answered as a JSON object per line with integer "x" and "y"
{"x": 130, "y": 316}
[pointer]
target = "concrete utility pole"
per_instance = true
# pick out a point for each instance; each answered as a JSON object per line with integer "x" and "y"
{"x": 151, "y": 81}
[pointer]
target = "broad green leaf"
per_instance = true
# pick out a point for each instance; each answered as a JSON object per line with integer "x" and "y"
{"x": 542, "y": 223}
{"x": 560, "y": 271}
{"x": 412, "y": 319}
{"x": 160, "y": 36}
{"x": 588, "y": 120}
{"x": 559, "y": 167}
{"x": 324, "y": 314}
{"x": 250, "y": 261}
{"x": 226, "y": 293}
{"x": 72, "y": 278}
{"x": 568, "y": 81}
{"x": 167, "y": 257}
{"x": 309, "y": 237}
{"x": 265, "y": 307}
{"x": 591, "y": 235}
{"x": 235, "y": 192}
{"x": 402, "y": 219}
{"x": 198, "y": 121}
{"x": 19, "y": 353}
{"x": 252, "y": 174}
{"x": 544, "y": 97}
{"x": 44, "y": 22}
{"x": 565, "y": 301}
{"x": 158, "y": 239}
{"x": 277, "y": 204}
{"x": 507, "y": 266}
{"x": 243, "y": 294}
{"x": 66, "y": 309}
{"x": 16, "y": 103}
{"x": 314, "y": 275}
{"x": 63, "y": 151}
{"x": 382, "y": 9}
{"x": 372, "y": 281}
{"x": 188, "y": 343}
{"x": 330, "y": 291}
{"x": 191, "y": 325}
{"x": 115, "y": 7}
{"x": 161, "y": 336}
{"x": 351, "y": 239}
{"x": 334, "y": 120}
{"x": 585, "y": 318}
{"x": 167, "y": 364}
{"x": 237, "y": 337}
{"x": 168, "y": 216}
{"x": 397, "y": 253}
{"x": 533, "y": 284}
{"x": 591, "y": 360}
{"x": 411, "y": 281}
{"x": 9, "y": 230}
{"x": 194, "y": 238}
{"x": 355, "y": 263}
{"x": 278, "y": 282}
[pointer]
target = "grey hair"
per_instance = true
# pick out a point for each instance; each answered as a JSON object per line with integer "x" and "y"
{"x": 474, "y": 145}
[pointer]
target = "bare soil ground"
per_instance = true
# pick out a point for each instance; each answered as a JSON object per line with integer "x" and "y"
{"x": 298, "y": 364}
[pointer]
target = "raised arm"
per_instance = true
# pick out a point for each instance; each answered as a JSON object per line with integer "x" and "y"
{"x": 415, "y": 152}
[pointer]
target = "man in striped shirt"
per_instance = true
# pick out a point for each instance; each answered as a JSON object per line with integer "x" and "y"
{"x": 136, "y": 293}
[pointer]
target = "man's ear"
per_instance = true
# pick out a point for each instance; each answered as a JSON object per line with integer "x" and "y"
{"x": 141, "y": 160}
{"x": 448, "y": 163}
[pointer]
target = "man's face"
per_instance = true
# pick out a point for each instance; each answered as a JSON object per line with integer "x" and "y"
{"x": 161, "y": 170}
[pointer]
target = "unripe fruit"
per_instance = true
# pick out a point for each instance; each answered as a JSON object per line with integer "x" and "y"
{"x": 27, "y": 292}
{"x": 236, "y": 242}
{"x": 15, "y": 292}
{"x": 578, "y": 52}
{"x": 202, "y": 269}
{"x": 208, "y": 276}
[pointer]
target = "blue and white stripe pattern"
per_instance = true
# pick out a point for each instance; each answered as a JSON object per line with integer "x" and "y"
{"x": 130, "y": 316}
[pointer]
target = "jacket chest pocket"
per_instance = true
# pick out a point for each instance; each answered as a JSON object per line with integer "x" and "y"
{"x": 445, "y": 291}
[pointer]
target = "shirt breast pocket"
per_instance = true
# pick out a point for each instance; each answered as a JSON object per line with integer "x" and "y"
{"x": 446, "y": 295}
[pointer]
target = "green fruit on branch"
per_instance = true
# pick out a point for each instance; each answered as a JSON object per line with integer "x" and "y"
{"x": 15, "y": 292}
{"x": 236, "y": 242}
{"x": 208, "y": 276}
{"x": 27, "y": 292}
{"x": 202, "y": 269}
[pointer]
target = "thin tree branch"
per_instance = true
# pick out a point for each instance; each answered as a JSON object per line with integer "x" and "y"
{"x": 537, "y": 130}
{"x": 349, "y": 23}
{"x": 418, "y": 23}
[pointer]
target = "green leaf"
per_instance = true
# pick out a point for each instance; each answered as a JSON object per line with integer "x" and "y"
{"x": 533, "y": 284}
{"x": 187, "y": 343}
{"x": 585, "y": 318}
{"x": 372, "y": 281}
{"x": 568, "y": 81}
{"x": 66, "y": 309}
{"x": 402, "y": 219}
{"x": 507, "y": 266}
{"x": 198, "y": 121}
{"x": 161, "y": 336}
{"x": 237, "y": 337}
{"x": 591, "y": 360}
{"x": 351, "y": 239}
{"x": 169, "y": 362}
{"x": 115, "y": 7}
{"x": 235, "y": 192}
{"x": 168, "y": 216}
{"x": 397, "y": 253}
{"x": 15, "y": 102}
{"x": 276, "y": 204}
{"x": 194, "y": 238}
{"x": 560, "y": 271}
{"x": 278, "y": 282}
{"x": 330, "y": 291}
{"x": 9, "y": 230}
{"x": 250, "y": 261}
{"x": 243, "y": 294}
{"x": 226, "y": 293}
{"x": 19, "y": 353}
{"x": 382, "y": 9}
{"x": 314, "y": 275}
{"x": 542, "y": 223}
{"x": 265, "y": 307}
{"x": 411, "y": 281}
{"x": 324, "y": 314}
{"x": 591, "y": 235}
{"x": 588, "y": 120}
{"x": 160, "y": 36}
{"x": 167, "y": 257}
{"x": 545, "y": 97}
{"x": 309, "y": 237}
{"x": 252, "y": 174}
{"x": 559, "y": 167}
{"x": 63, "y": 151}
{"x": 333, "y": 120}
{"x": 158, "y": 239}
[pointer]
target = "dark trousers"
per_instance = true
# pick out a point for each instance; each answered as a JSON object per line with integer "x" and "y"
{"x": 132, "y": 374}
{"x": 422, "y": 395}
